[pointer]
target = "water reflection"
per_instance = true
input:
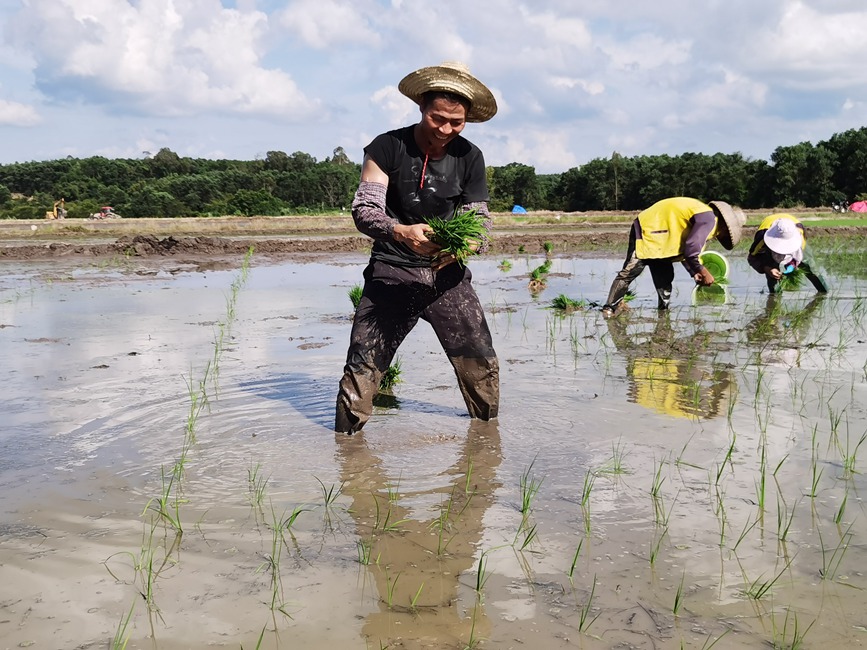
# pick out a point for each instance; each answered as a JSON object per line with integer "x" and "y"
{"x": 670, "y": 373}
{"x": 783, "y": 322}
{"x": 416, "y": 563}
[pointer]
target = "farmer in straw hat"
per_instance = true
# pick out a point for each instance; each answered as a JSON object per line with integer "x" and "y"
{"x": 409, "y": 175}
{"x": 674, "y": 230}
{"x": 778, "y": 248}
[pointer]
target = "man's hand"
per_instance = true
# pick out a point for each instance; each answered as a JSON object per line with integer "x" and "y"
{"x": 703, "y": 277}
{"x": 773, "y": 273}
{"x": 415, "y": 237}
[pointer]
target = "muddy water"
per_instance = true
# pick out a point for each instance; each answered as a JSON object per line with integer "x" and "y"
{"x": 653, "y": 481}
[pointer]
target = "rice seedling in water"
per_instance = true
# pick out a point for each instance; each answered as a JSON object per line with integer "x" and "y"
{"x": 584, "y": 620}
{"x": 785, "y": 638}
{"x": 571, "y": 571}
{"x": 505, "y": 265}
{"x": 566, "y": 304}
{"x": 678, "y": 596}
{"x": 615, "y": 464}
{"x": 123, "y": 633}
{"x": 460, "y": 234}
{"x": 391, "y": 377}
{"x": 390, "y": 585}
{"x": 838, "y": 517}
{"x": 831, "y": 558}
{"x": 329, "y": 494}
{"x": 364, "y": 548}
{"x": 791, "y": 281}
{"x": 355, "y": 295}
{"x": 529, "y": 488}
{"x": 759, "y": 588}
{"x": 548, "y": 247}
{"x": 256, "y": 485}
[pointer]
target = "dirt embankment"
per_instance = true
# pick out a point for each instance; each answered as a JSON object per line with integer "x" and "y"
{"x": 531, "y": 239}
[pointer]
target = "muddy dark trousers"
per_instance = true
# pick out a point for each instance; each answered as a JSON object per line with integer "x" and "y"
{"x": 393, "y": 300}
{"x": 662, "y": 272}
{"x": 815, "y": 280}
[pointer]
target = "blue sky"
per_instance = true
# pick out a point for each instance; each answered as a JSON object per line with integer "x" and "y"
{"x": 574, "y": 80}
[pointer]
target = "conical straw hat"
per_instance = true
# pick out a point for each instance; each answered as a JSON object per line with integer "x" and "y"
{"x": 452, "y": 77}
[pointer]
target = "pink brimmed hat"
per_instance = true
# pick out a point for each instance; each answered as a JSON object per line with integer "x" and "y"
{"x": 451, "y": 77}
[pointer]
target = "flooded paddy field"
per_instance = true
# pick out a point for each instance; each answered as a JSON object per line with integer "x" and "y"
{"x": 169, "y": 478}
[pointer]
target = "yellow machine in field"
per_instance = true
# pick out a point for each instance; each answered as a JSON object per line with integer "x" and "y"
{"x": 58, "y": 212}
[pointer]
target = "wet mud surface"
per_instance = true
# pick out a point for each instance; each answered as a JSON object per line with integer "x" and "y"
{"x": 169, "y": 477}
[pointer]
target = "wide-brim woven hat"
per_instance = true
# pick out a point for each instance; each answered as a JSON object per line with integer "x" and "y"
{"x": 783, "y": 237}
{"x": 451, "y": 77}
{"x": 734, "y": 219}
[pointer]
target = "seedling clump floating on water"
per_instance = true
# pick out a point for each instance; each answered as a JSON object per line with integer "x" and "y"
{"x": 459, "y": 235}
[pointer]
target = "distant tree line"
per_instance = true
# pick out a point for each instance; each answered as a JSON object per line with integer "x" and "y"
{"x": 167, "y": 185}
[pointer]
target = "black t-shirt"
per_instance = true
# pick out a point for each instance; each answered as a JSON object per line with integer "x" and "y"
{"x": 450, "y": 182}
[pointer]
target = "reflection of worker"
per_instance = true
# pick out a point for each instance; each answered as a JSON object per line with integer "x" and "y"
{"x": 776, "y": 323}
{"x": 664, "y": 374}
{"x": 409, "y": 175}
{"x": 417, "y": 565}
{"x": 674, "y": 230}
{"x": 778, "y": 247}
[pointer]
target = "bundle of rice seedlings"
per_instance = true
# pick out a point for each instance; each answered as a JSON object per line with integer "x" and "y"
{"x": 793, "y": 280}
{"x": 505, "y": 265}
{"x": 391, "y": 377}
{"x": 567, "y": 304}
{"x": 355, "y": 295}
{"x": 459, "y": 234}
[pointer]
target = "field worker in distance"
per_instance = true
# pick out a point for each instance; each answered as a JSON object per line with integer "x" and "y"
{"x": 779, "y": 246}
{"x": 674, "y": 230}
{"x": 409, "y": 175}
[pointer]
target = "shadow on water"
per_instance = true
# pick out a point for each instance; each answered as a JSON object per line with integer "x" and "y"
{"x": 314, "y": 398}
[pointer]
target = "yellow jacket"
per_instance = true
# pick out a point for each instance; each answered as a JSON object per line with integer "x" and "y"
{"x": 664, "y": 226}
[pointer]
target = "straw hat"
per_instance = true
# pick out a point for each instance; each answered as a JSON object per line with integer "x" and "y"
{"x": 783, "y": 237}
{"x": 734, "y": 219}
{"x": 451, "y": 77}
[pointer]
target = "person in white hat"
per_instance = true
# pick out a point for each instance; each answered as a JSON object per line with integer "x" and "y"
{"x": 778, "y": 248}
{"x": 409, "y": 175}
{"x": 674, "y": 230}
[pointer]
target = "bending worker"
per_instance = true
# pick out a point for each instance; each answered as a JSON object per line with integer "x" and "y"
{"x": 674, "y": 230}
{"x": 409, "y": 175}
{"x": 778, "y": 248}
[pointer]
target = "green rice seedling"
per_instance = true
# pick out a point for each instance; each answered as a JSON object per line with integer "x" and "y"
{"x": 849, "y": 455}
{"x": 785, "y": 517}
{"x": 355, "y": 295}
{"x": 748, "y": 526}
{"x": 708, "y": 644}
{"x": 529, "y": 488}
{"x": 792, "y": 281}
{"x": 390, "y": 585}
{"x": 680, "y": 461}
{"x": 584, "y": 620}
{"x": 384, "y": 522}
{"x": 391, "y": 376}
{"x": 123, "y": 633}
{"x": 256, "y": 485}
{"x": 413, "y": 602}
{"x": 727, "y": 459}
{"x": 655, "y": 545}
{"x": 566, "y": 304}
{"x": 364, "y": 547}
{"x": 521, "y": 249}
{"x": 482, "y": 575}
{"x": 759, "y": 588}
{"x": 571, "y": 572}
{"x": 788, "y": 638}
{"x": 587, "y": 488}
{"x": 329, "y": 494}
{"x": 393, "y": 489}
{"x": 505, "y": 265}
{"x": 473, "y": 641}
{"x": 460, "y": 234}
{"x": 615, "y": 465}
{"x": 442, "y": 523}
{"x": 529, "y": 537}
{"x": 548, "y": 247}
{"x": 678, "y": 596}
{"x": 838, "y": 517}
{"x": 261, "y": 638}
{"x": 831, "y": 558}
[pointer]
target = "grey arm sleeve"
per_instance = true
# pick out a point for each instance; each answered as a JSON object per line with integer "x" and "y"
{"x": 482, "y": 208}
{"x": 696, "y": 238}
{"x": 368, "y": 211}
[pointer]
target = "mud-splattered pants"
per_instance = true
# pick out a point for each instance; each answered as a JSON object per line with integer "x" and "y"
{"x": 662, "y": 272}
{"x": 393, "y": 300}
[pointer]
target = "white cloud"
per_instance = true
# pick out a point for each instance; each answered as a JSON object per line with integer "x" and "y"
{"x": 17, "y": 114}
{"x": 165, "y": 57}
{"x": 322, "y": 24}
{"x": 814, "y": 49}
{"x": 398, "y": 109}
{"x": 544, "y": 149}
